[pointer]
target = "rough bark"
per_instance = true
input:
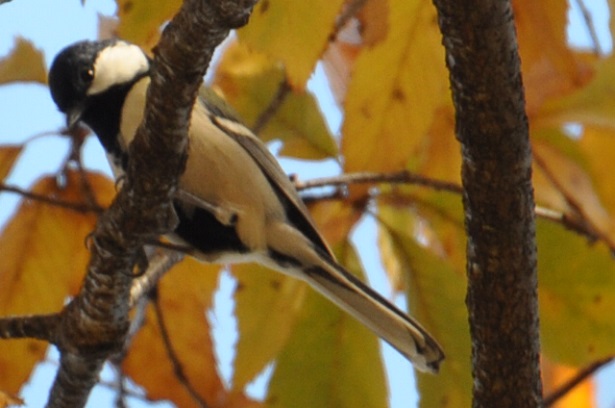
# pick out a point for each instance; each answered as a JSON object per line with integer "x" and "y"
{"x": 491, "y": 124}
{"x": 95, "y": 324}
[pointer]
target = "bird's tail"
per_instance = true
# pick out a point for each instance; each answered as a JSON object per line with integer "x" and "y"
{"x": 394, "y": 326}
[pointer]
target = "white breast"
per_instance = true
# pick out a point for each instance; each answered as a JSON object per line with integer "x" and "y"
{"x": 218, "y": 171}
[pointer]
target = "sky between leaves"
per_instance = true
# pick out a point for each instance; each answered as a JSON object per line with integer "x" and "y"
{"x": 392, "y": 86}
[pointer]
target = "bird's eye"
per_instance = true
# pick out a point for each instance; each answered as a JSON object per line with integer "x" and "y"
{"x": 86, "y": 75}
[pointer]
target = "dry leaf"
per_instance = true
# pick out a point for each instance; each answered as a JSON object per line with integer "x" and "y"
{"x": 23, "y": 64}
{"x": 8, "y": 156}
{"x": 44, "y": 260}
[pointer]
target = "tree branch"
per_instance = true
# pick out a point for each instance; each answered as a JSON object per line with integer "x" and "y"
{"x": 402, "y": 177}
{"x": 591, "y": 28}
{"x": 269, "y": 112}
{"x": 95, "y": 324}
{"x": 79, "y": 207}
{"x": 178, "y": 368}
{"x": 491, "y": 124}
{"x": 42, "y": 327}
{"x": 576, "y": 380}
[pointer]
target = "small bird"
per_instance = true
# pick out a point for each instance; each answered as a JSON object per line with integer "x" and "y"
{"x": 235, "y": 203}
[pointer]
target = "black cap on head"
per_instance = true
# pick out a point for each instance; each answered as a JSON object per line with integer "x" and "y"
{"x": 72, "y": 72}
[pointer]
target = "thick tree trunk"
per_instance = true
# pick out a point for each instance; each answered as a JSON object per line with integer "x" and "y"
{"x": 491, "y": 124}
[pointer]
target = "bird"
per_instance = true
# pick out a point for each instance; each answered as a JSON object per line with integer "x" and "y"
{"x": 234, "y": 202}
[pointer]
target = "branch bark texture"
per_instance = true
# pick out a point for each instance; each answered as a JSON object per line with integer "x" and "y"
{"x": 491, "y": 124}
{"x": 95, "y": 324}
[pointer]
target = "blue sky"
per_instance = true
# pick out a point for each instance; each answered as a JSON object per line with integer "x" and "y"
{"x": 27, "y": 110}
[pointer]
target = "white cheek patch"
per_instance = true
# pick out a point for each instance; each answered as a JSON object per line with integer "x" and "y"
{"x": 117, "y": 64}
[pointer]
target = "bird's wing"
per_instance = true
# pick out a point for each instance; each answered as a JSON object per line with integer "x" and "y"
{"x": 295, "y": 208}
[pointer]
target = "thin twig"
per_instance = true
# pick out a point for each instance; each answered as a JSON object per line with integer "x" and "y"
{"x": 576, "y": 380}
{"x": 269, "y": 112}
{"x": 136, "y": 323}
{"x": 77, "y": 136}
{"x": 120, "y": 381}
{"x": 79, "y": 207}
{"x": 284, "y": 88}
{"x": 579, "y": 225}
{"x": 591, "y": 28}
{"x": 587, "y": 225}
{"x": 112, "y": 386}
{"x": 177, "y": 366}
{"x": 159, "y": 263}
{"x": 403, "y": 177}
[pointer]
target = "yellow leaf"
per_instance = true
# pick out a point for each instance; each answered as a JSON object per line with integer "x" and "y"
{"x": 591, "y": 105}
{"x": 549, "y": 67}
{"x": 7, "y": 400}
{"x": 331, "y": 360}
{"x": 269, "y": 303}
{"x": 249, "y": 82}
{"x": 23, "y": 64}
{"x": 576, "y": 286}
{"x": 441, "y": 154}
{"x": 576, "y": 185}
{"x": 555, "y": 375}
{"x": 280, "y": 28}
{"x": 141, "y": 20}
{"x": 598, "y": 145}
{"x": 185, "y": 294}
{"x": 436, "y": 294}
{"x": 335, "y": 219}
{"x": 395, "y": 90}
{"x": 44, "y": 260}
{"x": 8, "y": 155}
{"x": 267, "y": 307}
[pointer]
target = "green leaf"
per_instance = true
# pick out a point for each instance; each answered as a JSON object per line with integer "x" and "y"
{"x": 436, "y": 293}
{"x": 267, "y": 306}
{"x": 249, "y": 82}
{"x": 331, "y": 360}
{"x": 576, "y": 287}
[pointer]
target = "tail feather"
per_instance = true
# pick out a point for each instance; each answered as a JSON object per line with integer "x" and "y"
{"x": 395, "y": 327}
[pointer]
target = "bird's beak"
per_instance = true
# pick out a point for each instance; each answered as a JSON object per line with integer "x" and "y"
{"x": 72, "y": 117}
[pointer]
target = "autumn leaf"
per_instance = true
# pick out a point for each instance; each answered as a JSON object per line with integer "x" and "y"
{"x": 185, "y": 295}
{"x": 335, "y": 219}
{"x": 7, "y": 400}
{"x": 278, "y": 28}
{"x": 44, "y": 260}
{"x": 436, "y": 297}
{"x": 576, "y": 186}
{"x": 598, "y": 145}
{"x": 550, "y": 68}
{"x": 23, "y": 64}
{"x": 576, "y": 281}
{"x": 268, "y": 305}
{"x": 396, "y": 88}
{"x": 249, "y": 81}
{"x": 592, "y": 105}
{"x": 556, "y": 375}
{"x": 8, "y": 156}
{"x": 141, "y": 21}
{"x": 338, "y": 357}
